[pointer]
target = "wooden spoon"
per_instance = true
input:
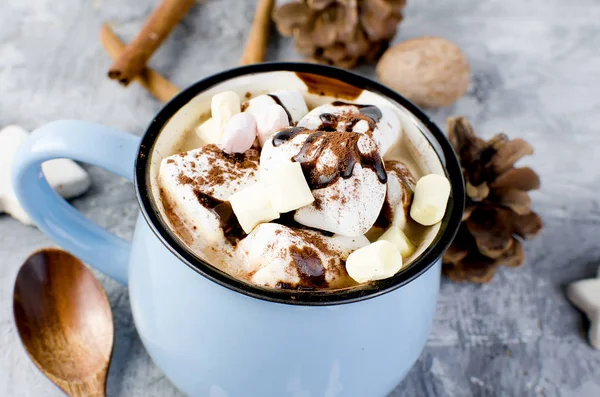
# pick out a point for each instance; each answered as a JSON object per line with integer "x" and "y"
{"x": 64, "y": 320}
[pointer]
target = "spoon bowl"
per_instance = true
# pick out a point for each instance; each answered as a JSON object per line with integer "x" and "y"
{"x": 64, "y": 321}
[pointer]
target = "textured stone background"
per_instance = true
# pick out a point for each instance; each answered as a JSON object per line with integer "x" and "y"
{"x": 536, "y": 66}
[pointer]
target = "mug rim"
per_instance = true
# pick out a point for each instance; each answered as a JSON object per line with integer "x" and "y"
{"x": 421, "y": 264}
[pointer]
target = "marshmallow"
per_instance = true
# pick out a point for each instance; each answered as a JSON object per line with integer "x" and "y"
{"x": 376, "y": 261}
{"x": 347, "y": 206}
{"x": 287, "y": 187}
{"x": 269, "y": 120}
{"x": 209, "y": 132}
{"x": 397, "y": 237}
{"x": 252, "y": 206}
{"x": 239, "y": 134}
{"x": 223, "y": 107}
{"x": 188, "y": 183}
{"x": 63, "y": 175}
{"x": 585, "y": 294}
{"x": 278, "y": 256}
{"x": 400, "y": 188}
{"x": 292, "y": 102}
{"x": 343, "y": 116}
{"x": 431, "y": 197}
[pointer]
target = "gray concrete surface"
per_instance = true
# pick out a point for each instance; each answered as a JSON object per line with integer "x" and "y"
{"x": 536, "y": 69}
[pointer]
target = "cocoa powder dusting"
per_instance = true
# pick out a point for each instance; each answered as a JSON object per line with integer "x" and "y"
{"x": 344, "y": 146}
{"x": 183, "y": 179}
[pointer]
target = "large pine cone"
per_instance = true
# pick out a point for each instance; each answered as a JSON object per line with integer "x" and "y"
{"x": 340, "y": 32}
{"x": 497, "y": 212}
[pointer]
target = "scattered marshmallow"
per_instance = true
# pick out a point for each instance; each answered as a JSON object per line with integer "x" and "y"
{"x": 292, "y": 101}
{"x": 239, "y": 134}
{"x": 269, "y": 120}
{"x": 252, "y": 206}
{"x": 431, "y": 197}
{"x": 287, "y": 187}
{"x": 585, "y": 294}
{"x": 209, "y": 132}
{"x": 223, "y": 107}
{"x": 375, "y": 261}
{"x": 65, "y": 176}
{"x": 396, "y": 236}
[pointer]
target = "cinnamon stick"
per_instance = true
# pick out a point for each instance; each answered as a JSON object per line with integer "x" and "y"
{"x": 256, "y": 46}
{"x": 156, "y": 29}
{"x": 155, "y": 83}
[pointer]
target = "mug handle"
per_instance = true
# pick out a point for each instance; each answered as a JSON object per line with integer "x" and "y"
{"x": 90, "y": 143}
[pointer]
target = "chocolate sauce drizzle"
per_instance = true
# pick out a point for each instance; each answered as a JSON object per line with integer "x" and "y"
{"x": 310, "y": 268}
{"x": 343, "y": 144}
{"x": 370, "y": 113}
{"x": 278, "y": 101}
{"x": 228, "y": 221}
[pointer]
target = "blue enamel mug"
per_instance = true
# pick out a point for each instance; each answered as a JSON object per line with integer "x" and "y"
{"x": 215, "y": 335}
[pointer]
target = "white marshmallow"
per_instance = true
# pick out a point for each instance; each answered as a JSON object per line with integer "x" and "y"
{"x": 387, "y": 132}
{"x": 184, "y": 177}
{"x": 252, "y": 206}
{"x": 376, "y": 261}
{"x": 287, "y": 187}
{"x": 397, "y": 237}
{"x": 239, "y": 134}
{"x": 269, "y": 120}
{"x": 400, "y": 188}
{"x": 431, "y": 197}
{"x": 223, "y": 107}
{"x": 63, "y": 175}
{"x": 274, "y": 255}
{"x": 209, "y": 132}
{"x": 585, "y": 294}
{"x": 349, "y": 206}
{"x": 292, "y": 101}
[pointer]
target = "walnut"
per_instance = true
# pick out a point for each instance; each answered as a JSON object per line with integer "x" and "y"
{"x": 430, "y": 71}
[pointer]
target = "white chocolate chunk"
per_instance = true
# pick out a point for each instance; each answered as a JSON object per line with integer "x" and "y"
{"x": 431, "y": 197}
{"x": 223, "y": 107}
{"x": 252, "y": 206}
{"x": 63, "y": 175}
{"x": 209, "y": 132}
{"x": 239, "y": 134}
{"x": 269, "y": 120}
{"x": 376, "y": 261}
{"x": 585, "y": 294}
{"x": 287, "y": 187}
{"x": 396, "y": 236}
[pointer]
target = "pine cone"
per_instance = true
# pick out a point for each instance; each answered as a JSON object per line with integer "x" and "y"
{"x": 497, "y": 211}
{"x": 340, "y": 32}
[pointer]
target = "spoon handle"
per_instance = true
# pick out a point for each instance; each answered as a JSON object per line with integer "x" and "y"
{"x": 94, "y": 386}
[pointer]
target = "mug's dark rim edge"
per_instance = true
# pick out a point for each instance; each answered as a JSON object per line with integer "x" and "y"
{"x": 450, "y": 222}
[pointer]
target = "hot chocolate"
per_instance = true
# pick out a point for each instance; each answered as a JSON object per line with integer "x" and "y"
{"x": 294, "y": 190}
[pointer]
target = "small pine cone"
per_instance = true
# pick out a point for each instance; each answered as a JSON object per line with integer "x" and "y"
{"x": 498, "y": 208}
{"x": 340, "y": 32}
